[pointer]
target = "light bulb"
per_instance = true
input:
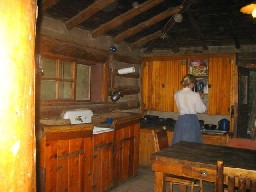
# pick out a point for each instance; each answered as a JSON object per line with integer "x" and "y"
{"x": 254, "y": 13}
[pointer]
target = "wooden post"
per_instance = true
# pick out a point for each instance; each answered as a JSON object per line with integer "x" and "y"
{"x": 17, "y": 108}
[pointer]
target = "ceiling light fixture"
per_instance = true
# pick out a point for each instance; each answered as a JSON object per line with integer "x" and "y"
{"x": 249, "y": 9}
{"x": 177, "y": 18}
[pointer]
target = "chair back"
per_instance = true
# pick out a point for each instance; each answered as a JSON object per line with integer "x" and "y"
{"x": 238, "y": 180}
{"x": 242, "y": 143}
{"x": 160, "y": 139}
{"x": 219, "y": 177}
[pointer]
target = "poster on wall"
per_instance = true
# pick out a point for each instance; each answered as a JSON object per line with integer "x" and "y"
{"x": 198, "y": 67}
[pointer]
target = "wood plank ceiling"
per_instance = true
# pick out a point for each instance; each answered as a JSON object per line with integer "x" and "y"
{"x": 150, "y": 24}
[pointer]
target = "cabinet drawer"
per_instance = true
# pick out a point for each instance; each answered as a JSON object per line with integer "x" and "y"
{"x": 206, "y": 174}
{"x": 187, "y": 169}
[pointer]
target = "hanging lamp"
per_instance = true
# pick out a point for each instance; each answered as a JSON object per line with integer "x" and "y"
{"x": 249, "y": 9}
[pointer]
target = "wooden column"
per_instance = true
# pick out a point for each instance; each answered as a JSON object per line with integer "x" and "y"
{"x": 17, "y": 108}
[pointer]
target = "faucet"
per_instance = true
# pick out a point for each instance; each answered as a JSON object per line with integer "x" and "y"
{"x": 79, "y": 118}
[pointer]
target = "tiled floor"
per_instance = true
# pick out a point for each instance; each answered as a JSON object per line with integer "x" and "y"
{"x": 144, "y": 182}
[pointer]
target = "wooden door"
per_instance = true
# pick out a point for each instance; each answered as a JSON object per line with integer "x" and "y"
{"x": 123, "y": 154}
{"x": 102, "y": 161}
{"x": 220, "y": 91}
{"x": 242, "y": 119}
{"x": 66, "y": 165}
{"x": 160, "y": 80}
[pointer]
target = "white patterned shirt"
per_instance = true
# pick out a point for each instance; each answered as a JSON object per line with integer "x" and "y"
{"x": 189, "y": 102}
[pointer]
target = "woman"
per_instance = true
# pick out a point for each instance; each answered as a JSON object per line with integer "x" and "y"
{"x": 189, "y": 103}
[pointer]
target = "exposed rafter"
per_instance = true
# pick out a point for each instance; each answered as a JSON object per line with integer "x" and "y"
{"x": 124, "y": 17}
{"x": 169, "y": 12}
{"x": 146, "y": 39}
{"x": 46, "y": 4}
{"x": 87, "y": 13}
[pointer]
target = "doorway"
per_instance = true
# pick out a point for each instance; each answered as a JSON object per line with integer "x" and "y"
{"x": 246, "y": 103}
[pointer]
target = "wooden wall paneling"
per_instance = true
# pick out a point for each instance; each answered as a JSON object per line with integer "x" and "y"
{"x": 226, "y": 87}
{"x": 160, "y": 79}
{"x": 211, "y": 98}
{"x": 75, "y": 164}
{"x": 167, "y": 86}
{"x": 50, "y": 165}
{"x": 150, "y": 85}
{"x": 117, "y": 156}
{"x": 97, "y": 170}
{"x": 88, "y": 158}
{"x": 62, "y": 168}
{"x": 162, "y": 85}
{"x": 107, "y": 162}
{"x": 126, "y": 151}
{"x": 102, "y": 161}
{"x": 136, "y": 142}
{"x": 145, "y": 86}
{"x": 220, "y": 80}
{"x": 155, "y": 84}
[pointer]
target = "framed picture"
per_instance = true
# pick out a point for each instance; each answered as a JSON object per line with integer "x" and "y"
{"x": 198, "y": 67}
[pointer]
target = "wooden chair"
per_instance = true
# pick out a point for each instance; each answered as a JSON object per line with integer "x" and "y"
{"x": 236, "y": 180}
{"x": 229, "y": 179}
{"x": 160, "y": 142}
{"x": 219, "y": 184}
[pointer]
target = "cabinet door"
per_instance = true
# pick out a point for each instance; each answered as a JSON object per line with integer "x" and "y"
{"x": 220, "y": 90}
{"x": 102, "y": 168}
{"x": 102, "y": 161}
{"x": 215, "y": 139}
{"x": 65, "y": 164}
{"x": 160, "y": 80}
{"x": 123, "y": 154}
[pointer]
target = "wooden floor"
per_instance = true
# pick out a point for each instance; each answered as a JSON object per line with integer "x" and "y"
{"x": 144, "y": 182}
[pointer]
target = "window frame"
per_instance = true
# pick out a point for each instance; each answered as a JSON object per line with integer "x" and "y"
{"x": 58, "y": 80}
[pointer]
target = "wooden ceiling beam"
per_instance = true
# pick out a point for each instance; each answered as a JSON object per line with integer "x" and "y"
{"x": 146, "y": 39}
{"x": 197, "y": 29}
{"x": 87, "y": 13}
{"x": 46, "y": 4}
{"x": 67, "y": 50}
{"x": 169, "y": 12}
{"x": 125, "y": 17}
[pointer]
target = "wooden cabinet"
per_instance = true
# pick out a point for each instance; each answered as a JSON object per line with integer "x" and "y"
{"x": 102, "y": 161}
{"x": 126, "y": 150}
{"x": 161, "y": 78}
{"x": 65, "y": 157}
{"x": 147, "y": 145}
{"x": 221, "y": 90}
{"x": 215, "y": 139}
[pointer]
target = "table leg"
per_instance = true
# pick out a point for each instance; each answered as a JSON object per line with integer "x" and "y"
{"x": 160, "y": 185}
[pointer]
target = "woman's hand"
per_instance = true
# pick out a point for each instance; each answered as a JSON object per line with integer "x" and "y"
{"x": 201, "y": 93}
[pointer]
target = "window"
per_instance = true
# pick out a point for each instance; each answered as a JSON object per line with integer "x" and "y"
{"x": 65, "y": 80}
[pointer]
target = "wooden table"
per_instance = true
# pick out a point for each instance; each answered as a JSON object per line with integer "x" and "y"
{"x": 199, "y": 161}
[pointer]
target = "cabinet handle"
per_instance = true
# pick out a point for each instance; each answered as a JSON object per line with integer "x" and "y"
{"x": 203, "y": 173}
